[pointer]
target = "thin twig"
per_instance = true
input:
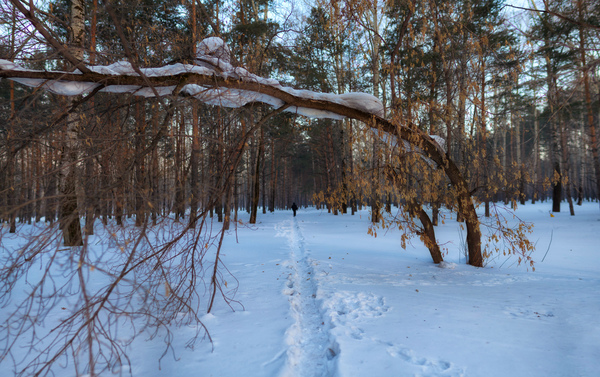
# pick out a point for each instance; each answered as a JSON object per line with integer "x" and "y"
{"x": 551, "y": 234}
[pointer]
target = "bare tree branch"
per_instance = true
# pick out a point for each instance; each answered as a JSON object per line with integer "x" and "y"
{"x": 556, "y": 14}
{"x": 39, "y": 26}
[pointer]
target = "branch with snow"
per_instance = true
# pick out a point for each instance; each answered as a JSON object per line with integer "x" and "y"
{"x": 212, "y": 80}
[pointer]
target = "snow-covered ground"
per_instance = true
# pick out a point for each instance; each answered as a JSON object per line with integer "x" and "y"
{"x": 321, "y": 297}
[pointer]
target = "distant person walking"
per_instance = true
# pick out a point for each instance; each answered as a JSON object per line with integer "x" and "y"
{"x": 294, "y": 208}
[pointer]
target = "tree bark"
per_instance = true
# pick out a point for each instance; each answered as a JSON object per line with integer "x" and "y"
{"x": 256, "y": 179}
{"x": 536, "y": 154}
{"x": 588, "y": 103}
{"x": 565, "y": 162}
{"x": 69, "y": 213}
{"x": 180, "y": 171}
{"x": 194, "y": 162}
{"x": 273, "y": 179}
{"x": 552, "y": 92}
{"x": 141, "y": 196}
{"x": 428, "y": 235}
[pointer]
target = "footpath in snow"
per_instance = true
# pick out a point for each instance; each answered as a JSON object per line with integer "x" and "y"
{"x": 322, "y": 316}
{"x": 312, "y": 351}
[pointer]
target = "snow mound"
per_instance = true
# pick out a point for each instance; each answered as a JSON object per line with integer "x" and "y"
{"x": 215, "y": 47}
{"x": 122, "y": 68}
{"x": 314, "y": 113}
{"x": 363, "y": 101}
{"x": 441, "y": 142}
{"x": 65, "y": 88}
{"x": 344, "y": 307}
{"x": 447, "y": 265}
{"x": 8, "y": 65}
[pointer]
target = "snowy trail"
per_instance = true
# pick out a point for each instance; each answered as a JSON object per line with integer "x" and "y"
{"x": 312, "y": 351}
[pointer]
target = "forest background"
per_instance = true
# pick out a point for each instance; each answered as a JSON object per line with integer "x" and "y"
{"x": 515, "y": 100}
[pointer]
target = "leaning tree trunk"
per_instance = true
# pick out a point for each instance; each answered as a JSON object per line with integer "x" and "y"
{"x": 411, "y": 135}
{"x": 428, "y": 235}
{"x": 415, "y": 209}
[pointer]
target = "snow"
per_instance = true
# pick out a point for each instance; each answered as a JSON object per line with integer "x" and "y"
{"x": 314, "y": 113}
{"x": 66, "y": 88}
{"x": 321, "y": 297}
{"x": 392, "y": 141}
{"x": 311, "y": 348}
{"x": 8, "y": 65}
{"x": 215, "y": 47}
{"x": 363, "y": 101}
{"x": 440, "y": 141}
{"x": 228, "y": 97}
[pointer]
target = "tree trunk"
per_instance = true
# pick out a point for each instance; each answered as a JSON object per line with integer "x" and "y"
{"x": 518, "y": 152}
{"x": 226, "y": 209}
{"x": 557, "y": 176}
{"x": 483, "y": 147}
{"x": 10, "y": 165}
{"x": 140, "y": 167}
{"x": 90, "y": 192}
{"x": 69, "y": 213}
{"x": 344, "y": 198}
{"x": 219, "y": 169}
{"x": 581, "y": 162}
{"x": 375, "y": 204}
{"x": 273, "y": 179}
{"x": 194, "y": 162}
{"x": 119, "y": 194}
{"x": 256, "y": 179}
{"x": 428, "y": 235}
{"x": 51, "y": 187}
{"x": 552, "y": 93}
{"x": 263, "y": 188}
{"x": 11, "y": 196}
{"x": 565, "y": 162}
{"x": 588, "y": 102}
{"x": 556, "y": 187}
{"x": 536, "y": 155}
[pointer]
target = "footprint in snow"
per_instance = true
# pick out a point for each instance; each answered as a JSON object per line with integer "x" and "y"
{"x": 528, "y": 313}
{"x": 348, "y": 309}
{"x": 430, "y": 367}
